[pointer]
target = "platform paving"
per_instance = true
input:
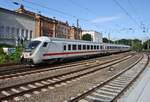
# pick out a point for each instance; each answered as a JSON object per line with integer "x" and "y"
{"x": 140, "y": 91}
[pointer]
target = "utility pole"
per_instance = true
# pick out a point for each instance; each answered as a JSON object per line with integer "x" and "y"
{"x": 148, "y": 44}
{"x": 77, "y": 27}
{"x": 108, "y": 37}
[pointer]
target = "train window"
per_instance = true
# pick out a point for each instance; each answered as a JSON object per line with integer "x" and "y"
{"x": 84, "y": 47}
{"x": 94, "y": 46}
{"x": 91, "y": 47}
{"x": 32, "y": 45}
{"x": 88, "y": 47}
{"x": 97, "y": 47}
{"x": 64, "y": 47}
{"x": 45, "y": 44}
{"x": 69, "y": 47}
{"x": 74, "y": 47}
{"x": 79, "y": 47}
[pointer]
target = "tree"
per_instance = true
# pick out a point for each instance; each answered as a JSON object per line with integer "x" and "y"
{"x": 124, "y": 42}
{"x": 87, "y": 37}
{"x": 105, "y": 40}
{"x": 146, "y": 45}
{"x": 137, "y": 45}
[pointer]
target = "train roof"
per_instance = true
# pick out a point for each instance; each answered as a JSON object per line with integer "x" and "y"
{"x": 51, "y": 39}
{"x": 44, "y": 38}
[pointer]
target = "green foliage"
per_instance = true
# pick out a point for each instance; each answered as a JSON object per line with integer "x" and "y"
{"x": 105, "y": 40}
{"x": 15, "y": 57}
{"x": 124, "y": 42}
{"x": 137, "y": 45}
{"x": 2, "y": 56}
{"x": 10, "y": 58}
{"x": 87, "y": 37}
{"x": 146, "y": 45}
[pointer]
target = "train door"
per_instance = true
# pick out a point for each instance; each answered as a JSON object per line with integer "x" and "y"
{"x": 45, "y": 47}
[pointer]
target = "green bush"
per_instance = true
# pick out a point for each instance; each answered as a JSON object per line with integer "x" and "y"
{"x": 15, "y": 57}
{"x": 10, "y": 58}
{"x": 2, "y": 58}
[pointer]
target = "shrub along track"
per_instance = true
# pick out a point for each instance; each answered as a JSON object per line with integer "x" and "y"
{"x": 29, "y": 87}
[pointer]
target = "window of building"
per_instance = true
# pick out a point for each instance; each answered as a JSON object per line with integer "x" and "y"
{"x": 1, "y": 31}
{"x": 17, "y": 32}
{"x": 30, "y": 34}
{"x": 7, "y": 30}
{"x": 79, "y": 47}
{"x": 26, "y": 35}
{"x": 22, "y": 33}
{"x": 12, "y": 30}
{"x": 74, "y": 47}
{"x": 69, "y": 47}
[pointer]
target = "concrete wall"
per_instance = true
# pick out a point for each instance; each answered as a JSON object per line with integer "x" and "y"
{"x": 14, "y": 26}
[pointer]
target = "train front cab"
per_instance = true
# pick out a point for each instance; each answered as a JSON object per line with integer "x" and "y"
{"x": 33, "y": 52}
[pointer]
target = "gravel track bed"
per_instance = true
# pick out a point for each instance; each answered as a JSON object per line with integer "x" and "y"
{"x": 28, "y": 78}
{"x": 24, "y": 68}
{"x": 28, "y": 70}
{"x": 62, "y": 93}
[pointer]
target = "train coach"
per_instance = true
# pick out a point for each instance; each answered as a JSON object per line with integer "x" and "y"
{"x": 43, "y": 49}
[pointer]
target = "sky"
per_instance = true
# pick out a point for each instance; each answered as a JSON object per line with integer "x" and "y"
{"x": 118, "y": 19}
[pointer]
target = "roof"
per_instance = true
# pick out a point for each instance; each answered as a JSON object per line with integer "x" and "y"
{"x": 22, "y": 10}
{"x": 15, "y": 13}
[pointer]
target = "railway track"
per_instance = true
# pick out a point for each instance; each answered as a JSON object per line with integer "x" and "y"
{"x": 111, "y": 89}
{"x": 24, "y": 68}
{"x": 6, "y": 74}
{"x": 12, "y": 92}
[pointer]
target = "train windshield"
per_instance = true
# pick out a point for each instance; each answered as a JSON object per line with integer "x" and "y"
{"x": 32, "y": 45}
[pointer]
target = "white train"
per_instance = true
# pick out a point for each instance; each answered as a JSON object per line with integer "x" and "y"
{"x": 43, "y": 49}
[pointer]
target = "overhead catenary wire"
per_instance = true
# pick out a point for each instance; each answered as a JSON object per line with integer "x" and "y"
{"x": 60, "y": 12}
{"x": 83, "y": 7}
{"x": 127, "y": 13}
{"x": 143, "y": 27}
{"x": 133, "y": 8}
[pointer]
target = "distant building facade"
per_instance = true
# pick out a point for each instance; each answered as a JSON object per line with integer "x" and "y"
{"x": 75, "y": 33}
{"x": 25, "y": 25}
{"x": 48, "y": 26}
{"x": 96, "y": 36}
{"x": 15, "y": 27}
{"x": 62, "y": 29}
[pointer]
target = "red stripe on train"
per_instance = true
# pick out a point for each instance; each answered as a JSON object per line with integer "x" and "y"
{"x": 63, "y": 53}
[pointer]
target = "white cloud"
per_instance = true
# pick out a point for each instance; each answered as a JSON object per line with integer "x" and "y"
{"x": 105, "y": 19}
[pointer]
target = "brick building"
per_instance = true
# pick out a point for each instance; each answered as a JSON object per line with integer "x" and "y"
{"x": 75, "y": 33}
{"x": 45, "y": 26}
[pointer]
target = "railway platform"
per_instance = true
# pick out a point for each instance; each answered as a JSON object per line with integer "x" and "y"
{"x": 139, "y": 92}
